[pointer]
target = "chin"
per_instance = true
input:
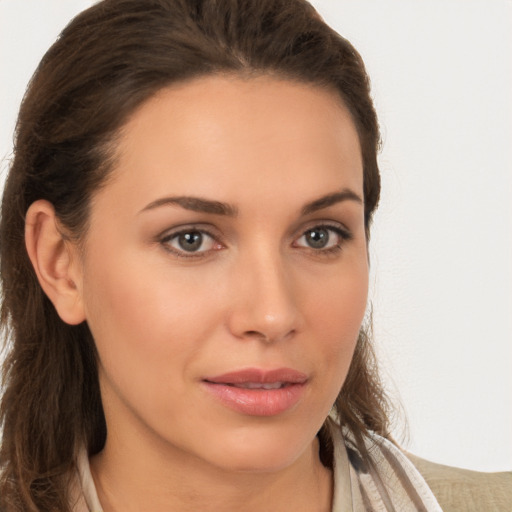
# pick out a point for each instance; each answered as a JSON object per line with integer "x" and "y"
{"x": 263, "y": 451}
{"x": 258, "y": 462}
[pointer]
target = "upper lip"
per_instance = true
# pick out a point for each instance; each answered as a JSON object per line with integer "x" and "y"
{"x": 260, "y": 376}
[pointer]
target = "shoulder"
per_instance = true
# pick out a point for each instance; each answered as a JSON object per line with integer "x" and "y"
{"x": 459, "y": 489}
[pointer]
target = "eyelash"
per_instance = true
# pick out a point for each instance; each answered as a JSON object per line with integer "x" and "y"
{"x": 343, "y": 234}
{"x": 180, "y": 253}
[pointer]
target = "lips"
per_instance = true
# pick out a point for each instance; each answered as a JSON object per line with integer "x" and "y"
{"x": 257, "y": 392}
{"x": 257, "y": 385}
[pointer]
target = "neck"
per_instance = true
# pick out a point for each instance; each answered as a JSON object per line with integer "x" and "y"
{"x": 161, "y": 481}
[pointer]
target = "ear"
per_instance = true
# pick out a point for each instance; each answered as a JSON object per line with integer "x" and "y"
{"x": 55, "y": 260}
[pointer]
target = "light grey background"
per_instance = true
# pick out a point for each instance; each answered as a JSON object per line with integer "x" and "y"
{"x": 442, "y": 241}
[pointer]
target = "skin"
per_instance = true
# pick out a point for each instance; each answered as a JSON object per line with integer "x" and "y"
{"x": 254, "y": 294}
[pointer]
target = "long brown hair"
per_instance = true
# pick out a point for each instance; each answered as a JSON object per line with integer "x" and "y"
{"x": 107, "y": 62}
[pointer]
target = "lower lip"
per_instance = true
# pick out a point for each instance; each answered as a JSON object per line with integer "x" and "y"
{"x": 257, "y": 402}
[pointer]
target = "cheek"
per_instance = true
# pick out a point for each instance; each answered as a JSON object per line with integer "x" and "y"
{"x": 130, "y": 294}
{"x": 146, "y": 339}
{"x": 127, "y": 315}
{"x": 335, "y": 312}
{"x": 338, "y": 300}
{"x": 144, "y": 317}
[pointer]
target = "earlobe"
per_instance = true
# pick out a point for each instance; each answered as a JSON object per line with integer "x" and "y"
{"x": 55, "y": 261}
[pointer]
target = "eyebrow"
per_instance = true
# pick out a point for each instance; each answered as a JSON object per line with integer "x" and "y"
{"x": 330, "y": 200}
{"x": 198, "y": 204}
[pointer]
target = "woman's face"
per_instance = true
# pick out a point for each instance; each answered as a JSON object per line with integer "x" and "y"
{"x": 225, "y": 272}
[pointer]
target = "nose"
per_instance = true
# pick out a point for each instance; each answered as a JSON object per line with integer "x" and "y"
{"x": 264, "y": 301}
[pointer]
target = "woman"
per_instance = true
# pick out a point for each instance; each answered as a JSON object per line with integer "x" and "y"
{"x": 184, "y": 267}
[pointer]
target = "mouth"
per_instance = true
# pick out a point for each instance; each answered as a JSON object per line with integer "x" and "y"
{"x": 256, "y": 377}
{"x": 257, "y": 392}
{"x": 256, "y": 385}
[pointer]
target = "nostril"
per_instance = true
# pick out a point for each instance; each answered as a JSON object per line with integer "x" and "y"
{"x": 257, "y": 334}
{"x": 268, "y": 338}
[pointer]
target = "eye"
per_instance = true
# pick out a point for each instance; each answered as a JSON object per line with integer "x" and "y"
{"x": 190, "y": 242}
{"x": 323, "y": 238}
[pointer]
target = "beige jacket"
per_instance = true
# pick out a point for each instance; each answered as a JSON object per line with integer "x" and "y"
{"x": 461, "y": 490}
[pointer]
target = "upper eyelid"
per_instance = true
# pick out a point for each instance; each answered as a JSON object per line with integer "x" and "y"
{"x": 216, "y": 233}
{"x": 166, "y": 236}
{"x": 345, "y": 234}
{"x": 206, "y": 229}
{"x": 329, "y": 224}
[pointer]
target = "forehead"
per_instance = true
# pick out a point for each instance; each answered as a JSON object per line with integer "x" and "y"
{"x": 235, "y": 136}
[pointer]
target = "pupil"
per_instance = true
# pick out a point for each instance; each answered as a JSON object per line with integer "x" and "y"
{"x": 317, "y": 238}
{"x": 190, "y": 241}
